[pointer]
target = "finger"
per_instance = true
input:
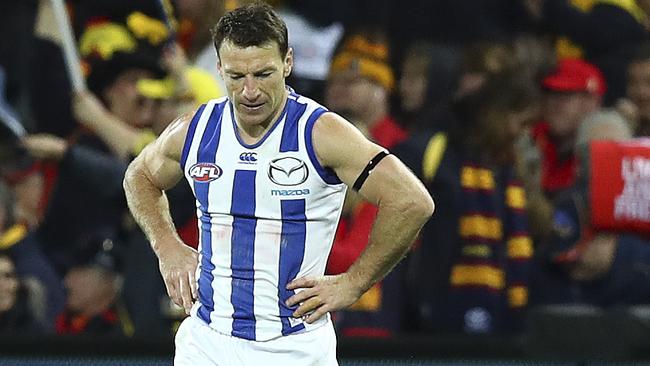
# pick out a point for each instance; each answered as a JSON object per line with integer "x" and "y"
{"x": 185, "y": 293}
{"x": 170, "y": 283}
{"x": 307, "y": 306}
{"x": 313, "y": 317}
{"x": 300, "y": 297}
{"x": 193, "y": 285}
{"x": 304, "y": 282}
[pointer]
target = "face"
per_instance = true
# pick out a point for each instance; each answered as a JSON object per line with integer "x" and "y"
{"x": 8, "y": 284}
{"x": 255, "y": 81}
{"x": 413, "y": 83}
{"x": 638, "y": 87}
{"x": 166, "y": 111}
{"x": 126, "y": 103}
{"x": 502, "y": 129}
{"x": 565, "y": 111}
{"x": 352, "y": 95}
{"x": 85, "y": 286}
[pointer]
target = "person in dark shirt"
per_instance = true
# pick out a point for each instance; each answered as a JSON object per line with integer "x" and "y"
{"x": 607, "y": 34}
{"x": 16, "y": 314}
{"x": 470, "y": 272}
{"x": 585, "y": 265}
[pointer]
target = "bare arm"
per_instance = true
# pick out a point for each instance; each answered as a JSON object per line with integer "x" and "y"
{"x": 404, "y": 205}
{"x": 156, "y": 169}
{"x": 117, "y": 134}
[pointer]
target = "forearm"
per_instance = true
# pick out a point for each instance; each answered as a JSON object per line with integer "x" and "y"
{"x": 120, "y": 137}
{"x": 150, "y": 207}
{"x": 395, "y": 229}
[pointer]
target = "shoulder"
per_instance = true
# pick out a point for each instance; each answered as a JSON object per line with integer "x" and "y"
{"x": 172, "y": 140}
{"x": 330, "y": 122}
{"x": 339, "y": 143}
{"x": 333, "y": 132}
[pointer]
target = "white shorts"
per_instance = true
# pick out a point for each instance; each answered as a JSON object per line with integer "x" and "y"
{"x": 197, "y": 344}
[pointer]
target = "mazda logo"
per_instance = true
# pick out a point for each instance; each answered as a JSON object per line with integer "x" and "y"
{"x": 288, "y": 171}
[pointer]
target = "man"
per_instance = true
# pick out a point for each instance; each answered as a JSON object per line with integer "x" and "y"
{"x": 585, "y": 263}
{"x": 359, "y": 86}
{"x": 269, "y": 172}
{"x": 574, "y": 90}
{"x": 470, "y": 272}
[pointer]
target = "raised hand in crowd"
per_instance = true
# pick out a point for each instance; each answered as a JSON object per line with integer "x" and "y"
{"x": 117, "y": 134}
{"x": 46, "y": 146}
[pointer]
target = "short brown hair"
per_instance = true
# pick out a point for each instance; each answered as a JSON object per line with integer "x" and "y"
{"x": 251, "y": 25}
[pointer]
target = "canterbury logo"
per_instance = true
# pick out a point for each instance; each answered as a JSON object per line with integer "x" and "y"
{"x": 205, "y": 172}
{"x": 288, "y": 171}
{"x": 248, "y": 157}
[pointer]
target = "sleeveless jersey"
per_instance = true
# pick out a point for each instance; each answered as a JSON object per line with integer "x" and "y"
{"x": 267, "y": 214}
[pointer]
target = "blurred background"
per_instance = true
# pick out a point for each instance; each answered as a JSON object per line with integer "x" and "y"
{"x": 527, "y": 120}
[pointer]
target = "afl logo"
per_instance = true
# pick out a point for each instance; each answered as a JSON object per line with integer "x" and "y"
{"x": 288, "y": 171}
{"x": 205, "y": 172}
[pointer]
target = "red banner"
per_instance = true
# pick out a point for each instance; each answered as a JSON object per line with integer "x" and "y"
{"x": 620, "y": 185}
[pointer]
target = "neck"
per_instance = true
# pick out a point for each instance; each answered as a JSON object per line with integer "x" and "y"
{"x": 252, "y": 134}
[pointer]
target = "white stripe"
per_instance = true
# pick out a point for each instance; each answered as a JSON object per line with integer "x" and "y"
{"x": 267, "y": 260}
{"x": 219, "y": 199}
{"x": 221, "y": 317}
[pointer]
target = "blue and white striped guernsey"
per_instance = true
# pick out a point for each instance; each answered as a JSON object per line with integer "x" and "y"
{"x": 267, "y": 214}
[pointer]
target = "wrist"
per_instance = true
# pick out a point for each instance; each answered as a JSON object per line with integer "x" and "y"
{"x": 162, "y": 245}
{"x": 356, "y": 282}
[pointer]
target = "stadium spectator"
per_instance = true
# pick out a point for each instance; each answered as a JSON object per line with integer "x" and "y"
{"x": 585, "y": 264}
{"x": 93, "y": 304}
{"x": 470, "y": 272}
{"x": 16, "y": 312}
{"x": 603, "y": 32}
{"x": 574, "y": 89}
{"x": 313, "y": 45}
{"x": 21, "y": 185}
{"x": 428, "y": 80}
{"x": 359, "y": 86}
{"x": 195, "y": 17}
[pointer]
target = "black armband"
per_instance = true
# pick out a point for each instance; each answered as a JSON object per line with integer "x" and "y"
{"x": 368, "y": 169}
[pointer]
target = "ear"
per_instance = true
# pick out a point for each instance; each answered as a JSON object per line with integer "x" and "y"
{"x": 288, "y": 63}
{"x": 219, "y": 69}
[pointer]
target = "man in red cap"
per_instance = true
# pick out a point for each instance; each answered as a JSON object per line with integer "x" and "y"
{"x": 574, "y": 90}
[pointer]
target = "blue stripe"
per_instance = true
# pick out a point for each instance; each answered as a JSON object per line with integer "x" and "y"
{"x": 190, "y": 136}
{"x": 290, "y": 131}
{"x": 326, "y": 174}
{"x": 206, "y": 153}
{"x": 292, "y": 251}
{"x": 243, "y": 253}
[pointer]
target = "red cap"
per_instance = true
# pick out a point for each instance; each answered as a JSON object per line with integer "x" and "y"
{"x": 574, "y": 75}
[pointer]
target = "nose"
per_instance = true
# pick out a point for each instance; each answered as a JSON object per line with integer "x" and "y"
{"x": 251, "y": 91}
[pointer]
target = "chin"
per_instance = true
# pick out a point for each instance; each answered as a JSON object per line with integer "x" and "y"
{"x": 253, "y": 120}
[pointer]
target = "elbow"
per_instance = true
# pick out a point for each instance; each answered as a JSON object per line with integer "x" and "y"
{"x": 425, "y": 207}
{"x": 129, "y": 175}
{"x": 429, "y": 206}
{"x": 419, "y": 208}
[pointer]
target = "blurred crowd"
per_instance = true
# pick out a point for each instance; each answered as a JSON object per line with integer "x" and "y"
{"x": 528, "y": 121}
